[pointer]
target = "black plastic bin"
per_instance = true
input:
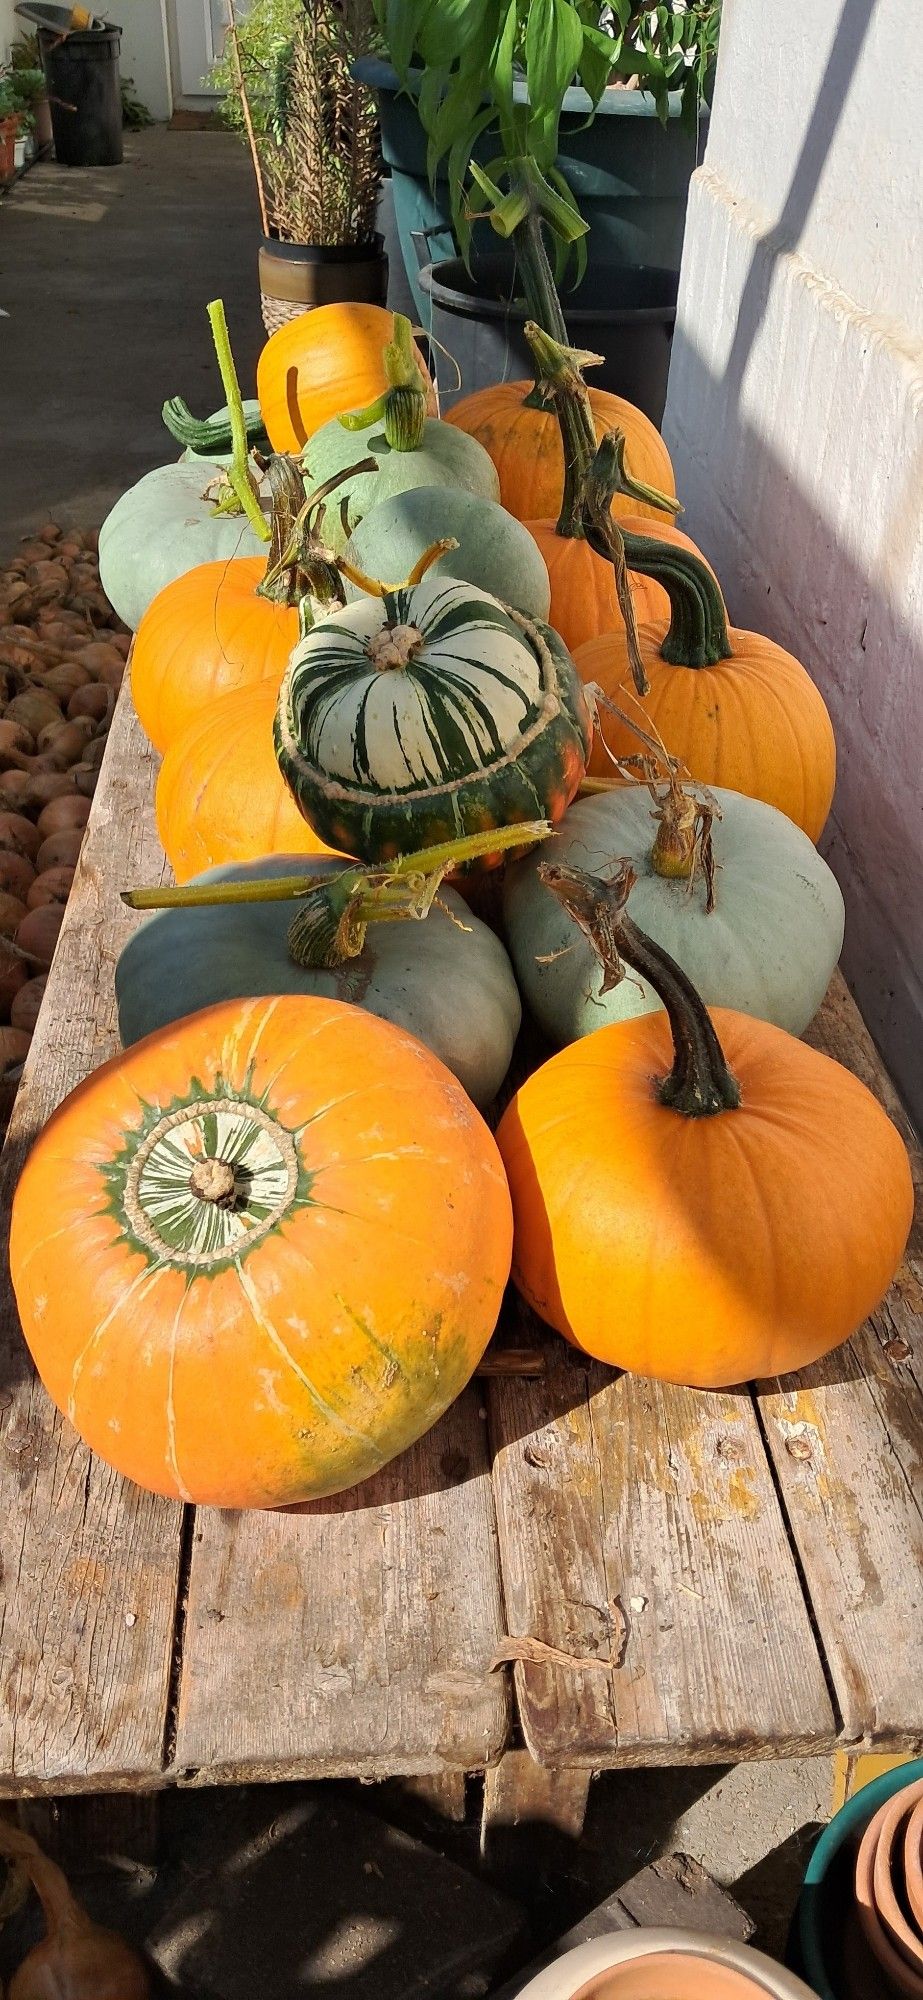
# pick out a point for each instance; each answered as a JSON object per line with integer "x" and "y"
{"x": 85, "y": 93}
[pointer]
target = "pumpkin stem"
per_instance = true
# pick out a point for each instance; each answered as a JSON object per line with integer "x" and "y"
{"x": 700, "y": 1082}
{"x": 698, "y": 629}
{"x": 426, "y": 864}
{"x": 401, "y": 409}
{"x": 213, "y": 1180}
{"x": 376, "y": 588}
{"x": 240, "y": 476}
{"x": 683, "y": 842}
{"x": 301, "y": 571}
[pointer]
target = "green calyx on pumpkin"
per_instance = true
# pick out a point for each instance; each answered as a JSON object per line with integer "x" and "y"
{"x": 401, "y": 409}
{"x": 700, "y": 1084}
{"x": 242, "y": 492}
{"x": 698, "y": 631}
{"x": 335, "y": 913}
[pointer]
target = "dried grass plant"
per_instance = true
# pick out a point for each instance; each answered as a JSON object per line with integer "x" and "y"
{"x": 312, "y": 130}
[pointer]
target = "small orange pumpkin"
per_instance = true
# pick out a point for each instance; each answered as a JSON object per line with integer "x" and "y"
{"x": 292, "y": 1231}
{"x": 321, "y": 364}
{"x": 738, "y": 710}
{"x": 204, "y": 635}
{"x": 525, "y": 445}
{"x": 733, "y": 1216}
{"x": 220, "y": 794}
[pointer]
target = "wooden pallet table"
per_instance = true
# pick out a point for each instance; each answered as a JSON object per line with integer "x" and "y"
{"x": 723, "y": 1575}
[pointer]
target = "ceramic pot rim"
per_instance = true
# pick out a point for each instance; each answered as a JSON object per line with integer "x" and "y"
{"x": 588, "y": 1961}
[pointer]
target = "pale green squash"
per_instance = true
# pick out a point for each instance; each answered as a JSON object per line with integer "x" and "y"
{"x": 494, "y": 550}
{"x": 768, "y": 948}
{"x": 162, "y": 527}
{"x": 445, "y": 457}
{"x": 446, "y": 979}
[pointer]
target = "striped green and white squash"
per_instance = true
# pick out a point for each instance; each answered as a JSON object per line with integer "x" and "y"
{"x": 431, "y": 713}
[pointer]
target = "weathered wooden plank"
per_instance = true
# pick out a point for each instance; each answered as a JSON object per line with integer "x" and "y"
{"x": 355, "y": 1636}
{"x": 89, "y": 1563}
{"x": 846, "y": 1439}
{"x": 639, "y": 1525}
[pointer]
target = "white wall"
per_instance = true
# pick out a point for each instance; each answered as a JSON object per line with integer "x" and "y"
{"x": 9, "y": 28}
{"x": 144, "y": 51}
{"x": 795, "y": 416}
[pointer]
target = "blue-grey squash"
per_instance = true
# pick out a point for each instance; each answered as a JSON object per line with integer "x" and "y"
{"x": 494, "y": 550}
{"x": 162, "y": 527}
{"x": 446, "y": 979}
{"x": 444, "y": 457}
{"x": 767, "y": 948}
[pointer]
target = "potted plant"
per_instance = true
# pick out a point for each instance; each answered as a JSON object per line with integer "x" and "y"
{"x": 10, "y": 116}
{"x": 287, "y": 70}
{"x": 28, "y": 79}
{"x": 605, "y": 101}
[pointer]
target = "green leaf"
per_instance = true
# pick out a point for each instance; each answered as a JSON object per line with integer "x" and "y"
{"x": 597, "y": 59}
{"x": 553, "y": 47}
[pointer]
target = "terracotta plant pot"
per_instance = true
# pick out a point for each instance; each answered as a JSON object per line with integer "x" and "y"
{"x": 888, "y": 1880}
{"x": 8, "y": 130}
{"x": 901, "y": 1982}
{"x": 913, "y": 1865}
{"x": 664, "y": 1965}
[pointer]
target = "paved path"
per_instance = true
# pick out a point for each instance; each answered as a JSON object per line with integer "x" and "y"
{"x": 105, "y": 274}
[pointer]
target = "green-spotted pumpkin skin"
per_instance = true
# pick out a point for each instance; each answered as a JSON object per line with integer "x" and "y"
{"x": 436, "y": 713}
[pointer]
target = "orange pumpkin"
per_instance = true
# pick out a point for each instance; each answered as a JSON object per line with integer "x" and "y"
{"x": 292, "y": 1231}
{"x": 736, "y": 708}
{"x": 322, "y": 364}
{"x": 220, "y": 793}
{"x": 204, "y": 635}
{"x": 525, "y": 445}
{"x": 734, "y": 1215}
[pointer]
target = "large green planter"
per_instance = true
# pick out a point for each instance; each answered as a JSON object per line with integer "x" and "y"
{"x": 629, "y": 173}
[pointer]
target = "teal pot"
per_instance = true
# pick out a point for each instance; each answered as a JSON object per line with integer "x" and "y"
{"x": 826, "y": 1945}
{"x": 630, "y": 175}
{"x": 623, "y": 312}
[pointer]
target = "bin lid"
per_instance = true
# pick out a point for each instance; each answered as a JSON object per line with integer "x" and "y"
{"x": 59, "y": 20}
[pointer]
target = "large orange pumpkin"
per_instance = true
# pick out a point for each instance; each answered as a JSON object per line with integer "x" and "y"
{"x": 220, "y": 794}
{"x": 737, "y": 709}
{"x": 697, "y": 1197}
{"x": 292, "y": 1233}
{"x": 525, "y": 445}
{"x": 204, "y": 635}
{"x": 322, "y": 364}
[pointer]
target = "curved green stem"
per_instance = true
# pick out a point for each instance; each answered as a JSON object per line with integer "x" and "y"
{"x": 700, "y": 1084}
{"x": 698, "y": 619}
{"x": 401, "y": 408}
{"x": 205, "y": 435}
{"x": 239, "y": 473}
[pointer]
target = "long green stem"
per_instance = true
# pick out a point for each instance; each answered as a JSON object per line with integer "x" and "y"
{"x": 700, "y": 1084}
{"x": 440, "y": 859}
{"x": 239, "y": 469}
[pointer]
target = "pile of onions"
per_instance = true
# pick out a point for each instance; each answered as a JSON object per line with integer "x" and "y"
{"x": 62, "y": 657}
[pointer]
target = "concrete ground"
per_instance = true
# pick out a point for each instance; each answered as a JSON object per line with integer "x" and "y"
{"x": 105, "y": 276}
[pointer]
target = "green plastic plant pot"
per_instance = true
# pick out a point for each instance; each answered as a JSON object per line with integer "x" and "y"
{"x": 823, "y": 1898}
{"x": 629, "y": 173}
